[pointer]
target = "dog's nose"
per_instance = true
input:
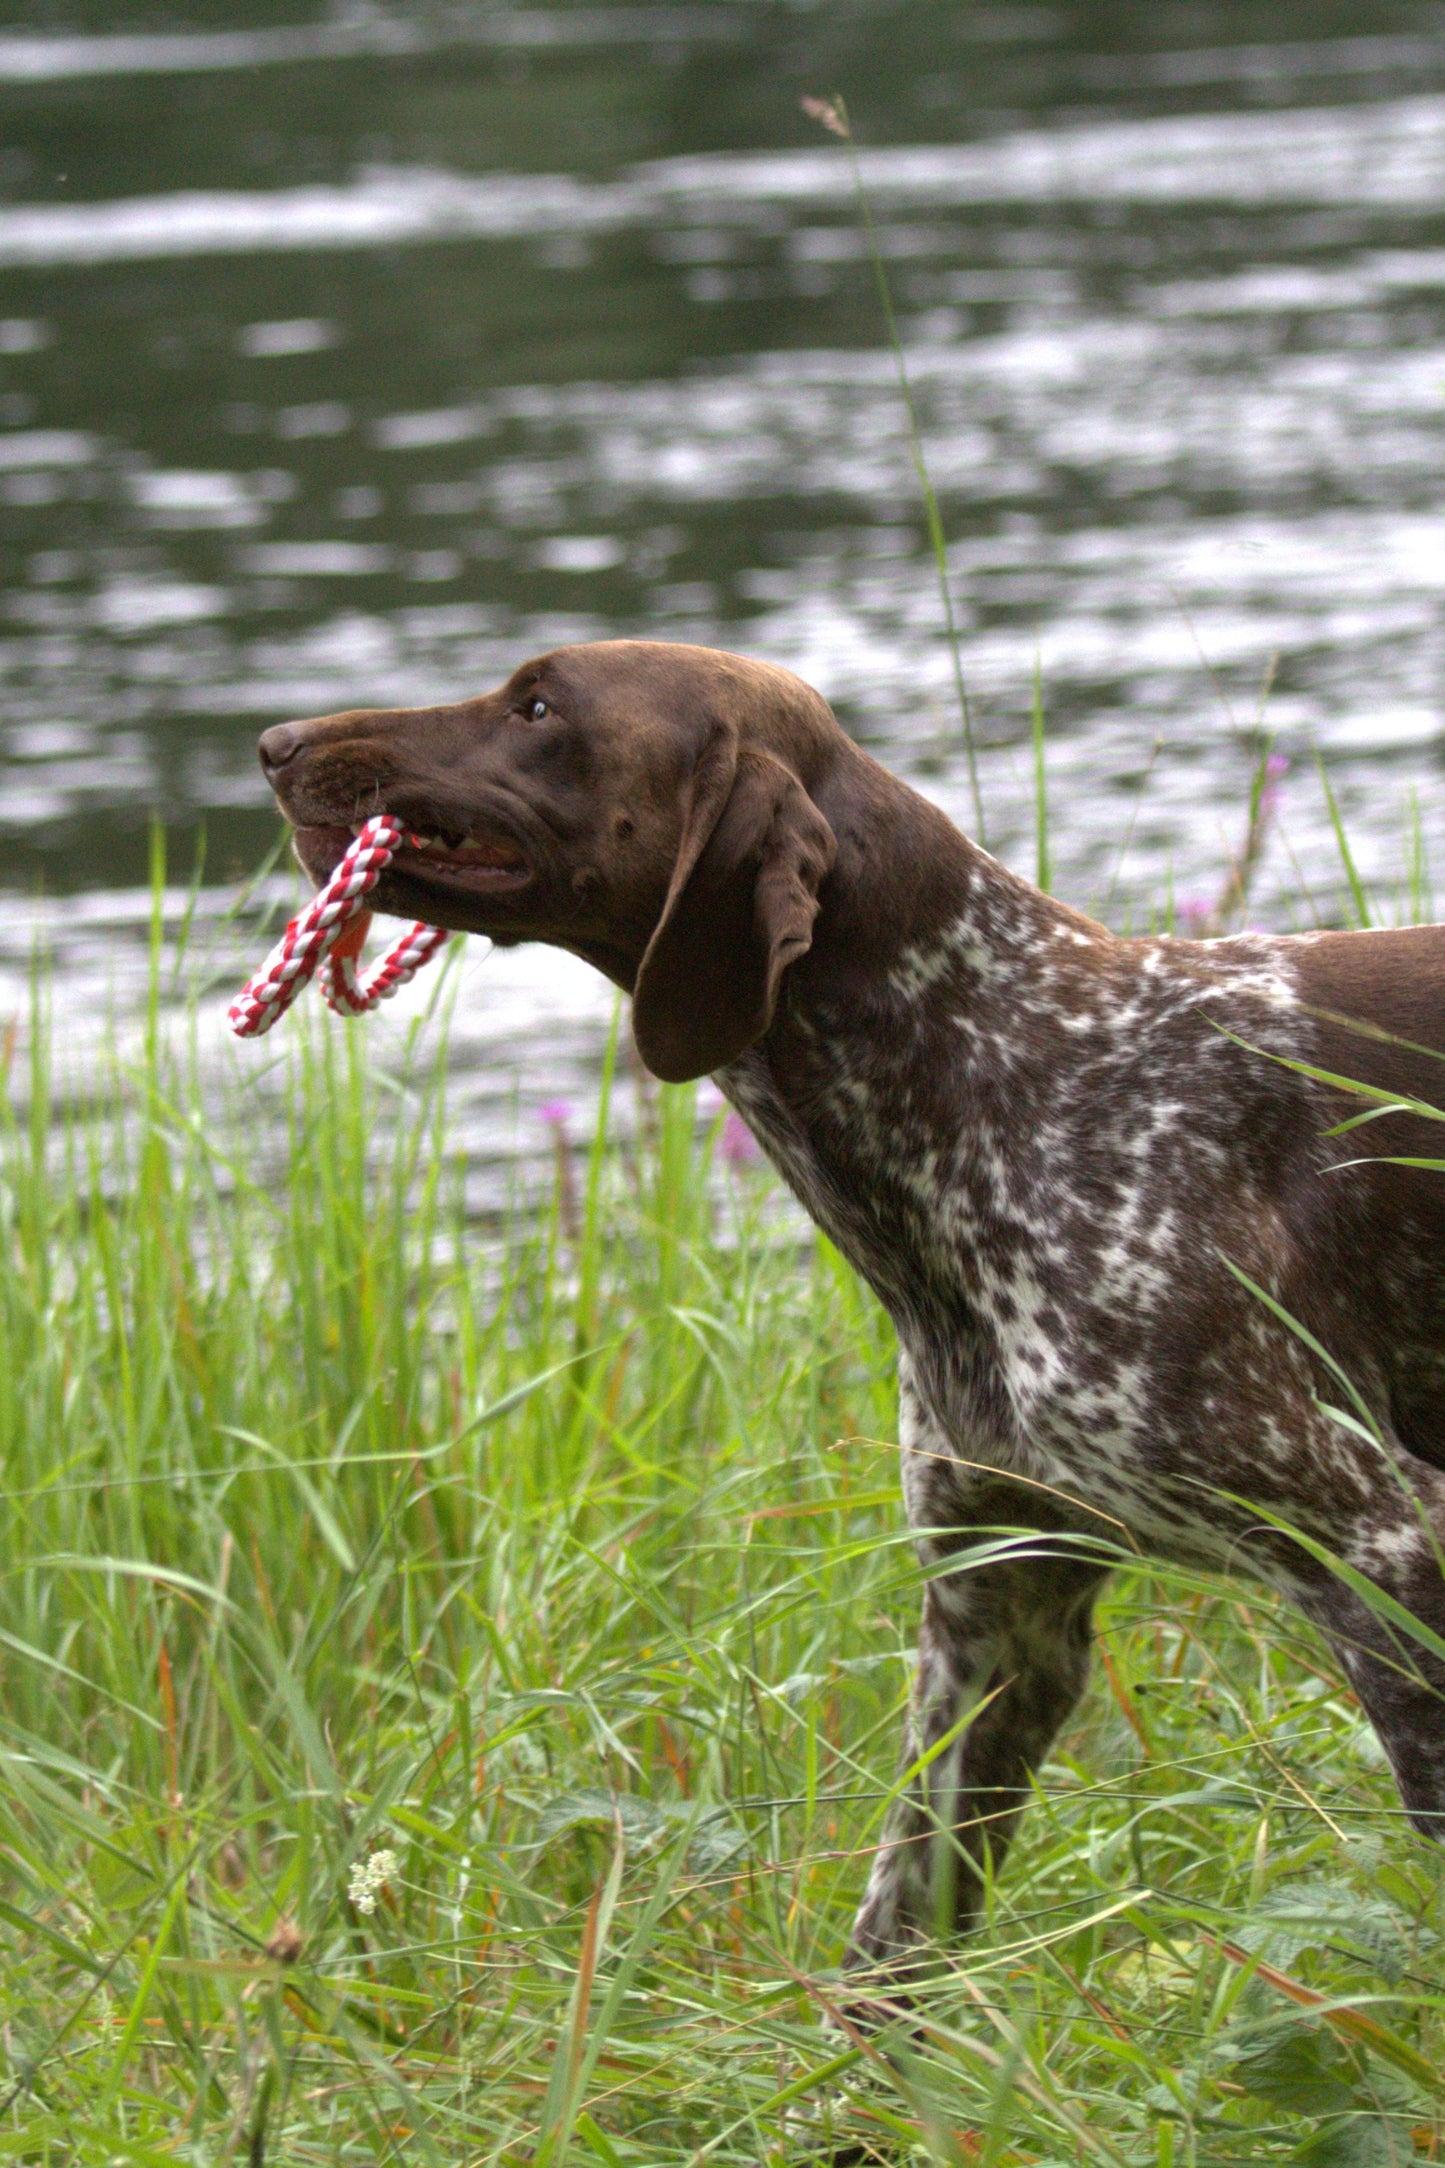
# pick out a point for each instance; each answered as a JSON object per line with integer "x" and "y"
{"x": 279, "y": 744}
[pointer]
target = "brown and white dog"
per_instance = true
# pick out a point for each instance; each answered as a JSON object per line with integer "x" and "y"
{"x": 1044, "y": 1146}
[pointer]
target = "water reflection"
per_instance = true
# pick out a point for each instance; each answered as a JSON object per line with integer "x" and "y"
{"x": 368, "y": 365}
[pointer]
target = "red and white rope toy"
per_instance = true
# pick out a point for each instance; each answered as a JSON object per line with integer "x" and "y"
{"x": 331, "y": 929}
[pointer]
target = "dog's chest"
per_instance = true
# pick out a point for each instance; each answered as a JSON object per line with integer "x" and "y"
{"x": 1024, "y": 1161}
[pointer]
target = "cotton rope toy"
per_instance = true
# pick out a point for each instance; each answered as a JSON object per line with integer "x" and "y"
{"x": 331, "y": 930}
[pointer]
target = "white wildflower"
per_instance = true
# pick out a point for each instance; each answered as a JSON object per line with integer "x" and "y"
{"x": 370, "y": 1875}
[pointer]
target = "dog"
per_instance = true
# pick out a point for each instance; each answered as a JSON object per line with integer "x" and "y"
{"x": 1091, "y": 1179}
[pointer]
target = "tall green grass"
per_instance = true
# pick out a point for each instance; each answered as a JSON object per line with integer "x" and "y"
{"x": 567, "y": 1568}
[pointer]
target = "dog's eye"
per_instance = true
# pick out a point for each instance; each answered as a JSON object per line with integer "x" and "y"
{"x": 537, "y": 710}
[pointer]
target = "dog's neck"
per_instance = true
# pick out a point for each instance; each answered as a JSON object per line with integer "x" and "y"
{"x": 910, "y": 896}
{"x": 907, "y": 1033}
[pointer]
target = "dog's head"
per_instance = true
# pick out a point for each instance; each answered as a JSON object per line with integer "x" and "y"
{"x": 649, "y": 807}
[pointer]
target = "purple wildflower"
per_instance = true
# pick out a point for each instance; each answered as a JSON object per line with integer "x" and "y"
{"x": 1276, "y": 768}
{"x": 739, "y": 1146}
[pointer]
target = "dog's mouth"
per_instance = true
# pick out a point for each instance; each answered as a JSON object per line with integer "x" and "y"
{"x": 482, "y": 866}
{"x": 453, "y": 863}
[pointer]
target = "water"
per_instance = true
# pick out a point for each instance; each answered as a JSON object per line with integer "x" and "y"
{"x": 348, "y": 359}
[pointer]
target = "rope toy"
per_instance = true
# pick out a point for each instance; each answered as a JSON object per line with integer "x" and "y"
{"x": 331, "y": 930}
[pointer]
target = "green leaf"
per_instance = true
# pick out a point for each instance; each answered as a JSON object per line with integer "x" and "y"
{"x": 642, "y": 1822}
{"x": 1358, "y": 2141}
{"x": 1310, "y": 1915}
{"x": 718, "y": 1845}
{"x": 1301, "y": 2068}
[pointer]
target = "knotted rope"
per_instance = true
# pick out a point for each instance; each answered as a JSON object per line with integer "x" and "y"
{"x": 331, "y": 929}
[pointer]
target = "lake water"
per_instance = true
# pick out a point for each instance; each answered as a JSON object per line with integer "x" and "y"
{"x": 349, "y": 358}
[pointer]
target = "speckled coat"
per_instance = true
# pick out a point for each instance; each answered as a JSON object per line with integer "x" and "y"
{"x": 1125, "y": 1259}
{"x": 1060, "y": 1158}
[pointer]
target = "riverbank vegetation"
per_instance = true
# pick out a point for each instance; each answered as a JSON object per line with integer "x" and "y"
{"x": 453, "y": 1679}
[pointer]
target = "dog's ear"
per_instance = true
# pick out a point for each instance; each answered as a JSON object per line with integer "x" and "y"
{"x": 739, "y": 910}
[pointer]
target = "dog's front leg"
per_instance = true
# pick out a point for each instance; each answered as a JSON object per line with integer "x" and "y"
{"x": 1003, "y": 1655}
